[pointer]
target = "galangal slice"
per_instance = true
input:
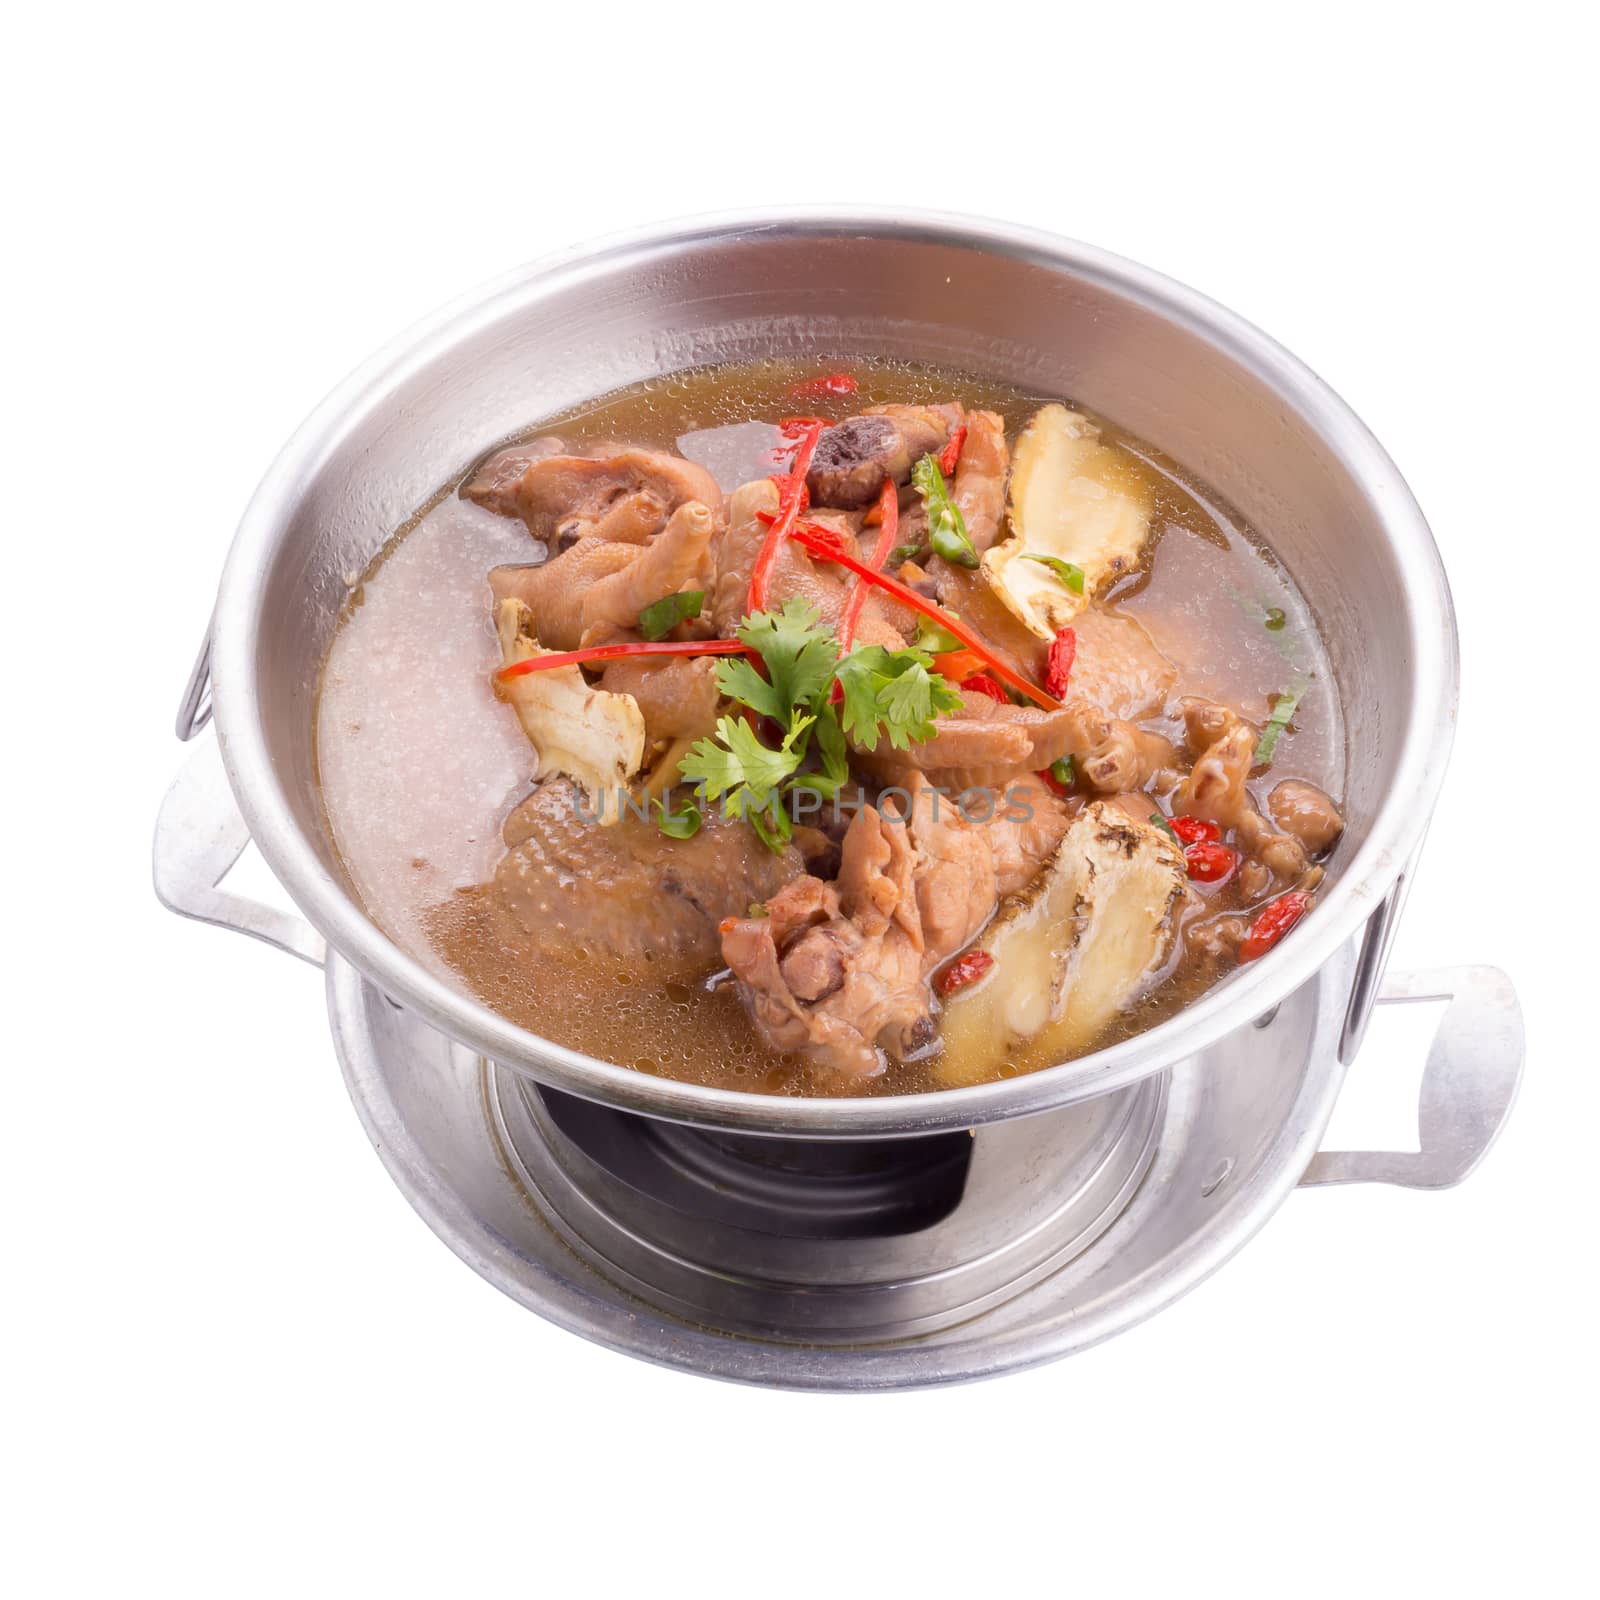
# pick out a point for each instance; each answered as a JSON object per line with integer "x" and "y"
{"x": 1072, "y": 951}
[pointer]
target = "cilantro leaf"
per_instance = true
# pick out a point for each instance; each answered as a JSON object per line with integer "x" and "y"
{"x": 684, "y": 823}
{"x": 797, "y": 653}
{"x": 737, "y": 765}
{"x": 893, "y": 692}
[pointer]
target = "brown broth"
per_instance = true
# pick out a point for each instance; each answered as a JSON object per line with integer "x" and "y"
{"x": 419, "y": 764}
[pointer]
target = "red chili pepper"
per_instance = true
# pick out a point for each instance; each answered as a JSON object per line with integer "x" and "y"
{"x": 796, "y": 427}
{"x": 951, "y": 454}
{"x": 1195, "y": 830}
{"x": 833, "y": 383}
{"x": 791, "y": 493}
{"x": 889, "y": 525}
{"x": 1271, "y": 923}
{"x": 1058, "y": 664}
{"x": 824, "y": 542}
{"x": 963, "y": 970}
{"x": 613, "y": 652}
{"x": 958, "y": 665}
{"x": 1209, "y": 862}
{"x": 1051, "y": 781}
{"x": 982, "y": 683}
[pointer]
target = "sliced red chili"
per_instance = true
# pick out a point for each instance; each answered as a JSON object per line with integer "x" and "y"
{"x": 963, "y": 970}
{"x": 951, "y": 454}
{"x": 791, "y": 493}
{"x": 824, "y": 542}
{"x": 1058, "y": 664}
{"x": 796, "y": 427}
{"x": 1272, "y": 922}
{"x": 889, "y": 526}
{"x": 982, "y": 683}
{"x": 832, "y": 383}
{"x": 1195, "y": 830}
{"x": 611, "y": 652}
{"x": 1209, "y": 862}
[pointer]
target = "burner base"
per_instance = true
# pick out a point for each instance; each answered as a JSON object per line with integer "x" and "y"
{"x": 603, "y": 1230}
{"x": 816, "y": 1241}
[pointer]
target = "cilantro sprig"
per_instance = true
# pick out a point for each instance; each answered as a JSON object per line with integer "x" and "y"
{"x": 893, "y": 694}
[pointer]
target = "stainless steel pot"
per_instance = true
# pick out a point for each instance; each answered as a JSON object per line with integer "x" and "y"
{"x": 1172, "y": 367}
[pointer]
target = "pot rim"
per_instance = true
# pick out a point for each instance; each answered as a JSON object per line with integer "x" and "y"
{"x": 1396, "y": 831}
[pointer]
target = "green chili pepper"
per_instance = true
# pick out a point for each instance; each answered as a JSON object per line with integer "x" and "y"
{"x": 947, "y": 533}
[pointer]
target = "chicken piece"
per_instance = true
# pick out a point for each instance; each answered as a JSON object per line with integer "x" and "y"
{"x": 989, "y": 746}
{"x": 968, "y": 595}
{"x": 1114, "y": 756}
{"x": 593, "y": 736}
{"x": 677, "y": 696}
{"x": 979, "y": 486}
{"x": 554, "y": 590}
{"x": 625, "y": 497}
{"x": 494, "y": 482}
{"x": 1217, "y": 789}
{"x": 837, "y": 972}
{"x": 1118, "y": 666}
{"x": 795, "y": 576}
{"x": 677, "y": 558}
{"x": 1217, "y": 786}
{"x": 833, "y": 973}
{"x": 853, "y": 458}
{"x": 1073, "y": 499}
{"x": 1073, "y": 951}
{"x": 1305, "y": 811}
{"x": 628, "y": 892}
{"x": 983, "y": 746}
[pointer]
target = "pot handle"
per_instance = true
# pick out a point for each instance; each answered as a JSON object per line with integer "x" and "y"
{"x": 1468, "y": 1085}
{"x": 199, "y": 836}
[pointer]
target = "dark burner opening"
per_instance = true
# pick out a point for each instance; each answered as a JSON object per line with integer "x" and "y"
{"x": 796, "y": 1188}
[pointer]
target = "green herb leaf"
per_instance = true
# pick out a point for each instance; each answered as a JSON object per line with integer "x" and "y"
{"x": 772, "y": 825}
{"x": 799, "y": 657}
{"x": 947, "y": 532}
{"x": 684, "y": 823}
{"x": 1283, "y": 710}
{"x": 660, "y": 617}
{"x": 894, "y": 692}
{"x": 835, "y": 772}
{"x": 883, "y": 691}
{"x": 1068, "y": 572}
{"x": 737, "y": 768}
{"x": 1276, "y": 620}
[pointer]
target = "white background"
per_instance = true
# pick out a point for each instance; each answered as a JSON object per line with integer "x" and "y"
{"x": 236, "y": 1362}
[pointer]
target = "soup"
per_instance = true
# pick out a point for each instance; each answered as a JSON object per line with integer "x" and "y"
{"x": 861, "y": 732}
